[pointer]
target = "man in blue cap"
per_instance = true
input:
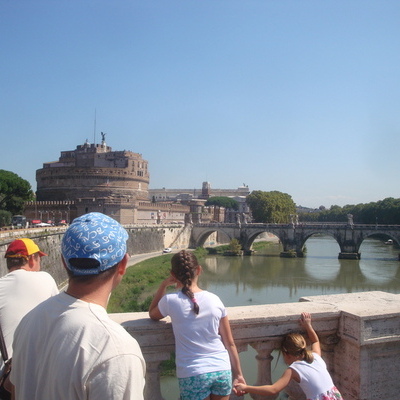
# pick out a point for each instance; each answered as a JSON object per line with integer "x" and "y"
{"x": 68, "y": 347}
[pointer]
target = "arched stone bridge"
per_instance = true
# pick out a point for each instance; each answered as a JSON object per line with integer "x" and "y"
{"x": 293, "y": 236}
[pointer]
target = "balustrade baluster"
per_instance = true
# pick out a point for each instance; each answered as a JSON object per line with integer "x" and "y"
{"x": 152, "y": 389}
{"x": 264, "y": 360}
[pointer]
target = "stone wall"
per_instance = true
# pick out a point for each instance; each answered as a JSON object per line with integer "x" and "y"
{"x": 142, "y": 239}
{"x": 48, "y": 241}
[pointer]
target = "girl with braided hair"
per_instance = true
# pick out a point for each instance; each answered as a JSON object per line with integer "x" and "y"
{"x": 305, "y": 367}
{"x": 206, "y": 356}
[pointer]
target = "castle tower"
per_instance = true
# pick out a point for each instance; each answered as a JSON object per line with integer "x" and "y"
{"x": 206, "y": 190}
{"x": 94, "y": 171}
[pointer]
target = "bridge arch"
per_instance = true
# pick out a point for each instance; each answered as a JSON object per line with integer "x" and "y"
{"x": 247, "y": 239}
{"x": 199, "y": 238}
{"x": 381, "y": 235}
{"x": 310, "y": 234}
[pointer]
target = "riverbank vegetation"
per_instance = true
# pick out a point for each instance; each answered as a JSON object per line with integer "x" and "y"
{"x": 140, "y": 281}
{"x": 385, "y": 211}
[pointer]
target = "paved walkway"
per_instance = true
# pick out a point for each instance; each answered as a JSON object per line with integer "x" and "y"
{"x": 140, "y": 257}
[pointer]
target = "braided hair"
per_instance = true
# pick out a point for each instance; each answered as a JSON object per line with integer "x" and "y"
{"x": 295, "y": 345}
{"x": 183, "y": 267}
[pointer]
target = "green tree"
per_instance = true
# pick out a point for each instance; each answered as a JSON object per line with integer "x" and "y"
{"x": 271, "y": 206}
{"x": 14, "y": 192}
{"x": 223, "y": 201}
{"x": 5, "y": 218}
{"x": 235, "y": 247}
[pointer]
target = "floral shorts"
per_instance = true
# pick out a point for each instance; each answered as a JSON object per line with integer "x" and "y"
{"x": 332, "y": 394}
{"x": 201, "y": 386}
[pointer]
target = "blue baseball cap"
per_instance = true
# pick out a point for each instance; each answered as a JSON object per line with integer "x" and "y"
{"x": 93, "y": 236}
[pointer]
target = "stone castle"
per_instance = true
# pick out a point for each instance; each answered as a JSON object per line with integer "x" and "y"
{"x": 93, "y": 171}
{"x": 94, "y": 178}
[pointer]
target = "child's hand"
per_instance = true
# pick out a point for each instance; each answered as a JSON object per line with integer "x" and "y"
{"x": 240, "y": 389}
{"x": 239, "y": 381}
{"x": 305, "y": 319}
{"x": 170, "y": 281}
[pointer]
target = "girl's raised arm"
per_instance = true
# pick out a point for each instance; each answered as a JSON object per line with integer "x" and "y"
{"x": 305, "y": 321}
{"x": 154, "y": 312}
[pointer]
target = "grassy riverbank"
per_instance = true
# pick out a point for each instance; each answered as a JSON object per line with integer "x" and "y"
{"x": 139, "y": 284}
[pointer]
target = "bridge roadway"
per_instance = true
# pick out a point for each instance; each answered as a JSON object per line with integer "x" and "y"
{"x": 293, "y": 236}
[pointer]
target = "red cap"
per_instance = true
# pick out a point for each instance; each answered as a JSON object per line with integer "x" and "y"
{"x": 23, "y": 248}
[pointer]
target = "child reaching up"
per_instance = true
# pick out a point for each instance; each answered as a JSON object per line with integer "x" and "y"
{"x": 305, "y": 367}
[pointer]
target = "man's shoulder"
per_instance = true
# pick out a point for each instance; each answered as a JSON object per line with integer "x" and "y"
{"x": 23, "y": 274}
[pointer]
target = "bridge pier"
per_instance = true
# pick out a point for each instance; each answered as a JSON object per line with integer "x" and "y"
{"x": 349, "y": 256}
{"x": 291, "y": 253}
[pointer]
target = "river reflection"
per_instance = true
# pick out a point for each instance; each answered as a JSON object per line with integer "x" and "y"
{"x": 266, "y": 278}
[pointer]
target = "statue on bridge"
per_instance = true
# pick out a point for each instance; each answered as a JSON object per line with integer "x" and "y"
{"x": 294, "y": 219}
{"x": 238, "y": 219}
{"x": 350, "y": 220}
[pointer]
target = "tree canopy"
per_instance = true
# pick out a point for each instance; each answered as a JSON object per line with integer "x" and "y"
{"x": 223, "y": 201}
{"x": 271, "y": 206}
{"x": 14, "y": 191}
{"x": 386, "y": 211}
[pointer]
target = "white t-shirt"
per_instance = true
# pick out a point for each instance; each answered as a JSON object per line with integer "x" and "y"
{"x": 20, "y": 292}
{"x": 314, "y": 377}
{"x": 199, "y": 348}
{"x": 69, "y": 349}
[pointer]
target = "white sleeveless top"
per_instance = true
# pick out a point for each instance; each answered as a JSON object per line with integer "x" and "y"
{"x": 314, "y": 377}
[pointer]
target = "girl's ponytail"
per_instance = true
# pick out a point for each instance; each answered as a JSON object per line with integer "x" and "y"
{"x": 184, "y": 265}
{"x": 308, "y": 356}
{"x": 295, "y": 345}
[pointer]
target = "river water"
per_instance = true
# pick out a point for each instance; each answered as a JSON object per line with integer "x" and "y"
{"x": 266, "y": 278}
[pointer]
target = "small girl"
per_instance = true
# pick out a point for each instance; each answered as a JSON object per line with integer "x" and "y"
{"x": 206, "y": 354}
{"x": 305, "y": 367}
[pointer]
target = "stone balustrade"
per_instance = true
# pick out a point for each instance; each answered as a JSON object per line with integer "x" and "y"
{"x": 359, "y": 334}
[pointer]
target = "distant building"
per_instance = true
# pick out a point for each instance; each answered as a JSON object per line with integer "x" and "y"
{"x": 204, "y": 193}
{"x": 94, "y": 178}
{"x": 196, "y": 199}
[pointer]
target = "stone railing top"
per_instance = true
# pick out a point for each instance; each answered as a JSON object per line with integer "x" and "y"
{"x": 270, "y": 322}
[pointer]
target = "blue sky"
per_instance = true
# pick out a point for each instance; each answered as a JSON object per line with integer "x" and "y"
{"x": 297, "y": 96}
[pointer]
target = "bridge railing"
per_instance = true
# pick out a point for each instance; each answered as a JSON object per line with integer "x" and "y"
{"x": 298, "y": 225}
{"x": 359, "y": 334}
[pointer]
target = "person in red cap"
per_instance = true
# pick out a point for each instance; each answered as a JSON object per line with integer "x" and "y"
{"x": 23, "y": 288}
